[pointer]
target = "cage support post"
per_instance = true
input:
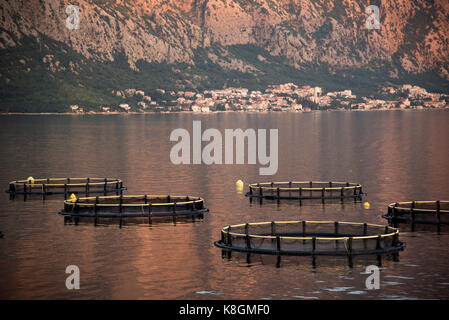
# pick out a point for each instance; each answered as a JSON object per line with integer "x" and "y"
{"x": 336, "y": 233}
{"x": 322, "y": 195}
{"x": 303, "y": 223}
{"x": 174, "y": 212}
{"x": 395, "y": 240}
{"x": 278, "y": 261}
{"x": 379, "y": 260}
{"x": 95, "y": 210}
{"x": 87, "y": 186}
{"x": 313, "y": 251}
{"x": 438, "y": 216}
{"x": 95, "y": 214}
{"x": 121, "y": 209}
{"x": 350, "y": 251}
{"x": 12, "y": 188}
{"x": 310, "y": 188}
{"x": 378, "y": 239}
{"x": 395, "y": 214}
{"x": 347, "y": 186}
{"x": 248, "y": 242}
{"x": 289, "y": 189}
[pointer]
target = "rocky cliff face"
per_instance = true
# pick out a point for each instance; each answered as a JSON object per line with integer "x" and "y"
{"x": 329, "y": 35}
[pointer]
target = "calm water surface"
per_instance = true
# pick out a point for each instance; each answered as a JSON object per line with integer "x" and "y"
{"x": 396, "y": 155}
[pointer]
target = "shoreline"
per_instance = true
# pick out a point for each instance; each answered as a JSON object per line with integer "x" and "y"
{"x": 201, "y": 113}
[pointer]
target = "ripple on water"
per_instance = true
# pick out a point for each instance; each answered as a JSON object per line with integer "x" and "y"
{"x": 345, "y": 278}
{"x": 393, "y": 297}
{"x": 406, "y": 264}
{"x": 306, "y": 298}
{"x": 209, "y": 292}
{"x": 338, "y": 289}
{"x": 391, "y": 283}
{"x": 357, "y": 292}
{"x": 399, "y": 277}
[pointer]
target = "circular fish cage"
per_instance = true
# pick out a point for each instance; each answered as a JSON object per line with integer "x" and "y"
{"x": 300, "y": 238}
{"x": 65, "y": 186}
{"x": 302, "y": 190}
{"x": 134, "y": 206}
{"x": 419, "y": 212}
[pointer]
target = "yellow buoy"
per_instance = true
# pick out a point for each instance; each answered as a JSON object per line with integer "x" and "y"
{"x": 30, "y": 180}
{"x": 72, "y": 198}
{"x": 366, "y": 205}
{"x": 239, "y": 185}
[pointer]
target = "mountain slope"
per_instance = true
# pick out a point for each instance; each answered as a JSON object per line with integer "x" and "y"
{"x": 178, "y": 44}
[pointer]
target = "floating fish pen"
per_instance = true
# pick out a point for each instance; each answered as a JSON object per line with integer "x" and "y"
{"x": 65, "y": 186}
{"x": 123, "y": 207}
{"x": 303, "y": 190}
{"x": 419, "y": 212}
{"x": 311, "y": 238}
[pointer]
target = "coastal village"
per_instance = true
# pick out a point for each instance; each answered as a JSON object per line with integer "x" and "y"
{"x": 283, "y": 97}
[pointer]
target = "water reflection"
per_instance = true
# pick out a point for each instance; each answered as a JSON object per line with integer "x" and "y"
{"x": 311, "y": 261}
{"x": 396, "y": 156}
